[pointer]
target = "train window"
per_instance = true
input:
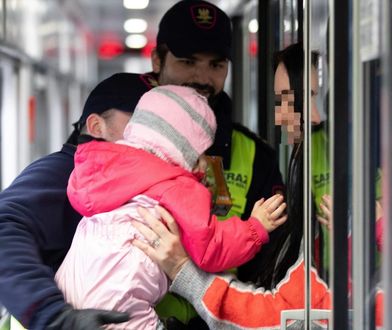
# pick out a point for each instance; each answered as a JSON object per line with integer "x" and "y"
{"x": 9, "y": 121}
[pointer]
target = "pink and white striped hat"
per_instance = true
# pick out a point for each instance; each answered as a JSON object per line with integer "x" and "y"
{"x": 173, "y": 122}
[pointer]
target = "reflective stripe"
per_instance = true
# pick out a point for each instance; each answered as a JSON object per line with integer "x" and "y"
{"x": 15, "y": 325}
{"x": 239, "y": 175}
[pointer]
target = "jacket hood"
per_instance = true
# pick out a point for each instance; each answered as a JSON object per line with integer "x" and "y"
{"x": 175, "y": 122}
{"x": 107, "y": 175}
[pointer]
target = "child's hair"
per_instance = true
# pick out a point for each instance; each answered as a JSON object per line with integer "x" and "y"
{"x": 173, "y": 122}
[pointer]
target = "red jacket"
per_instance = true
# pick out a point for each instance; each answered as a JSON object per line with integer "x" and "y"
{"x": 108, "y": 175}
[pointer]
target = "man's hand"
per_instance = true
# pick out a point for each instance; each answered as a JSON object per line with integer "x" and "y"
{"x": 85, "y": 319}
{"x": 165, "y": 246}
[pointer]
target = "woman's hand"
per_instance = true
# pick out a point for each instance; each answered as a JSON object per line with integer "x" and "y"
{"x": 164, "y": 246}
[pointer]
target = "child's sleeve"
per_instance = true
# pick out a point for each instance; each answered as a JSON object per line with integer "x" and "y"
{"x": 213, "y": 245}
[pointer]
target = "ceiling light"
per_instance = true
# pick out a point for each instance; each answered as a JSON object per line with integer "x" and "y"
{"x": 135, "y": 4}
{"x": 136, "y": 41}
{"x": 135, "y": 25}
{"x": 253, "y": 26}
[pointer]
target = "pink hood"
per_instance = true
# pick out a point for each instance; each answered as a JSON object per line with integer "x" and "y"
{"x": 96, "y": 184}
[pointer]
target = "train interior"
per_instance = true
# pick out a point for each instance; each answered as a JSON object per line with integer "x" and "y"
{"x": 52, "y": 52}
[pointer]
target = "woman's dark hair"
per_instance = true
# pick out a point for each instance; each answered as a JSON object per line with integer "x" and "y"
{"x": 275, "y": 258}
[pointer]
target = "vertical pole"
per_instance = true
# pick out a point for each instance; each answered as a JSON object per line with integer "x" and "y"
{"x": 386, "y": 140}
{"x": 340, "y": 54}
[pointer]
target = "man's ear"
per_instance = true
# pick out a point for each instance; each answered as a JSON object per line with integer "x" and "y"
{"x": 155, "y": 61}
{"x": 95, "y": 125}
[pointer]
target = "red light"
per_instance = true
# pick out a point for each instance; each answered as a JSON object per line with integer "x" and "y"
{"x": 110, "y": 48}
{"x": 253, "y": 48}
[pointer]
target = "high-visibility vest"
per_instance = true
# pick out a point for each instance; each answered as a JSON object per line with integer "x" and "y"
{"x": 239, "y": 175}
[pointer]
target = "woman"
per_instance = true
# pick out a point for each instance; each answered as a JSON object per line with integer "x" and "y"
{"x": 273, "y": 261}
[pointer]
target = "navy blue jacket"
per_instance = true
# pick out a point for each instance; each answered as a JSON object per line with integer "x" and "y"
{"x": 37, "y": 225}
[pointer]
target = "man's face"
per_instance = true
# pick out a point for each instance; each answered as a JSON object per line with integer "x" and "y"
{"x": 110, "y": 126}
{"x": 203, "y": 71}
{"x": 115, "y": 125}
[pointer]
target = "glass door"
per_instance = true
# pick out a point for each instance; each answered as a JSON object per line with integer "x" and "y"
{"x": 344, "y": 147}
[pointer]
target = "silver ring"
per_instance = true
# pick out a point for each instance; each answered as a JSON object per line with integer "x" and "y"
{"x": 156, "y": 242}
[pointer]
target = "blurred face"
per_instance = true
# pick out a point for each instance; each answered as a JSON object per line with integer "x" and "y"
{"x": 203, "y": 71}
{"x": 285, "y": 115}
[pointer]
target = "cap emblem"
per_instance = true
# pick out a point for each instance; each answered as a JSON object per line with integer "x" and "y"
{"x": 203, "y": 16}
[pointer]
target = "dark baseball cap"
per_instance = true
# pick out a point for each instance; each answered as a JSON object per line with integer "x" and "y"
{"x": 120, "y": 91}
{"x": 193, "y": 26}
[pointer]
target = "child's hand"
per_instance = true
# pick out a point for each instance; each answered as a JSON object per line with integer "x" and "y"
{"x": 269, "y": 212}
{"x": 326, "y": 207}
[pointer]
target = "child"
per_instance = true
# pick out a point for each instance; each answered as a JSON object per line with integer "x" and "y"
{"x": 171, "y": 128}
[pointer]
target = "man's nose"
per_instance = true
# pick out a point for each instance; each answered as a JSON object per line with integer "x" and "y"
{"x": 202, "y": 75}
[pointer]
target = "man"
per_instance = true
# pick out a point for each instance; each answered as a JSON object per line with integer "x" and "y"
{"x": 194, "y": 48}
{"x": 37, "y": 223}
